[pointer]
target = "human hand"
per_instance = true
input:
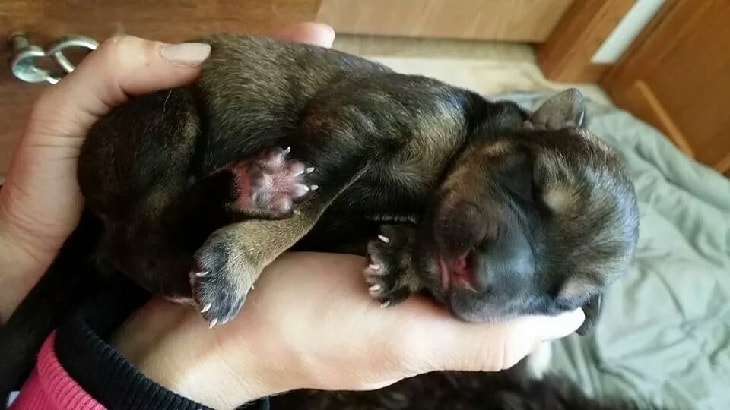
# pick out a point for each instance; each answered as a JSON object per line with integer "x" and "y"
{"x": 310, "y": 323}
{"x": 40, "y": 202}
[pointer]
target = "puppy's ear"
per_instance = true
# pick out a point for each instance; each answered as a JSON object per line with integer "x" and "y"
{"x": 583, "y": 293}
{"x": 565, "y": 109}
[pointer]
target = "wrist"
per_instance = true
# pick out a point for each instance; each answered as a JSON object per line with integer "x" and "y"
{"x": 210, "y": 378}
{"x": 177, "y": 351}
{"x": 19, "y": 271}
{"x": 21, "y": 263}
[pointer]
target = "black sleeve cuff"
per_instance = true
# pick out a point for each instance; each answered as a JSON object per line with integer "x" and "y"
{"x": 110, "y": 378}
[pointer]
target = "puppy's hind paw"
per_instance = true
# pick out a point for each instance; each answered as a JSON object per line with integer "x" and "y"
{"x": 269, "y": 184}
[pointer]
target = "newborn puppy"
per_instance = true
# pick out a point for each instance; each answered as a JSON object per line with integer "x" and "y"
{"x": 192, "y": 191}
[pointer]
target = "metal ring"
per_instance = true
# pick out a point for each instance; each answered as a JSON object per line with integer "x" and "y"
{"x": 56, "y": 49}
{"x": 23, "y": 64}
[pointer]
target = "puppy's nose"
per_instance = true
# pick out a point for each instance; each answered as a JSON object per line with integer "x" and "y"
{"x": 506, "y": 262}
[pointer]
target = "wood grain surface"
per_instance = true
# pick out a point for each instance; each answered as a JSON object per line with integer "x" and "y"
{"x": 675, "y": 76}
{"x": 529, "y": 21}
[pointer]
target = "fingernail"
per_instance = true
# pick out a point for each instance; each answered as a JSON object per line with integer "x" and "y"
{"x": 329, "y": 36}
{"x": 186, "y": 54}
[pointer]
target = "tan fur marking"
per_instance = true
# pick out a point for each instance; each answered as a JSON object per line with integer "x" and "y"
{"x": 498, "y": 148}
{"x": 560, "y": 199}
{"x": 259, "y": 242}
{"x": 577, "y": 285}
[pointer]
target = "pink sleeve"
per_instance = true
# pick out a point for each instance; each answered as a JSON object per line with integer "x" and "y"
{"x": 50, "y": 387}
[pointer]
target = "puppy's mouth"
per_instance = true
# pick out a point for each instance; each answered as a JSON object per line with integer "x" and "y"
{"x": 458, "y": 228}
{"x": 458, "y": 272}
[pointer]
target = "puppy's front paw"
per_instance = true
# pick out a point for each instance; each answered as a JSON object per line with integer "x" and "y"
{"x": 220, "y": 280}
{"x": 390, "y": 272}
{"x": 269, "y": 184}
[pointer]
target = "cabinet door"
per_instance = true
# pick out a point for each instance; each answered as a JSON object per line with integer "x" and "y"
{"x": 676, "y": 77}
{"x": 44, "y": 21}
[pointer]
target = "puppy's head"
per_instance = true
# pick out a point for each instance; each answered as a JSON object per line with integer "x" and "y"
{"x": 537, "y": 220}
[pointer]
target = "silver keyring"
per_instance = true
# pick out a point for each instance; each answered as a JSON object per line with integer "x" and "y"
{"x": 56, "y": 49}
{"x": 23, "y": 64}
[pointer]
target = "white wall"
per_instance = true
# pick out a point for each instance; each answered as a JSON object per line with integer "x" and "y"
{"x": 626, "y": 31}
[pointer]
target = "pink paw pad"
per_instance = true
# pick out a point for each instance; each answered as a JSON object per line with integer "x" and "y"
{"x": 270, "y": 184}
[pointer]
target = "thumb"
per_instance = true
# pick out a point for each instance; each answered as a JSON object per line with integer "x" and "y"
{"x": 457, "y": 346}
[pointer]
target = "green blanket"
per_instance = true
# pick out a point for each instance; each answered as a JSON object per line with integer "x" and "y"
{"x": 664, "y": 337}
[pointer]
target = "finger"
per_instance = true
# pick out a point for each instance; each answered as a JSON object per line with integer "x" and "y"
{"x": 552, "y": 328}
{"x": 312, "y": 33}
{"x": 122, "y": 66}
{"x": 457, "y": 346}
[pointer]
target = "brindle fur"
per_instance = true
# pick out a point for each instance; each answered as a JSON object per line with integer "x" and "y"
{"x": 540, "y": 206}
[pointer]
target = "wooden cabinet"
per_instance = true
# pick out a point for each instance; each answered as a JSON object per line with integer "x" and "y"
{"x": 676, "y": 76}
{"x": 528, "y": 21}
{"x": 44, "y": 21}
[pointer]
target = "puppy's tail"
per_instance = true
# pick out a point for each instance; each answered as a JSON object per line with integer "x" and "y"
{"x": 60, "y": 291}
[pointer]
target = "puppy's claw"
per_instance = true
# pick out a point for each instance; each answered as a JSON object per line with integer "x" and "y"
{"x": 384, "y": 238}
{"x": 385, "y": 304}
{"x": 206, "y": 308}
{"x": 307, "y": 170}
{"x": 287, "y": 150}
{"x": 375, "y": 289}
{"x": 201, "y": 274}
{"x": 314, "y": 187}
{"x": 212, "y": 323}
{"x": 375, "y": 267}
